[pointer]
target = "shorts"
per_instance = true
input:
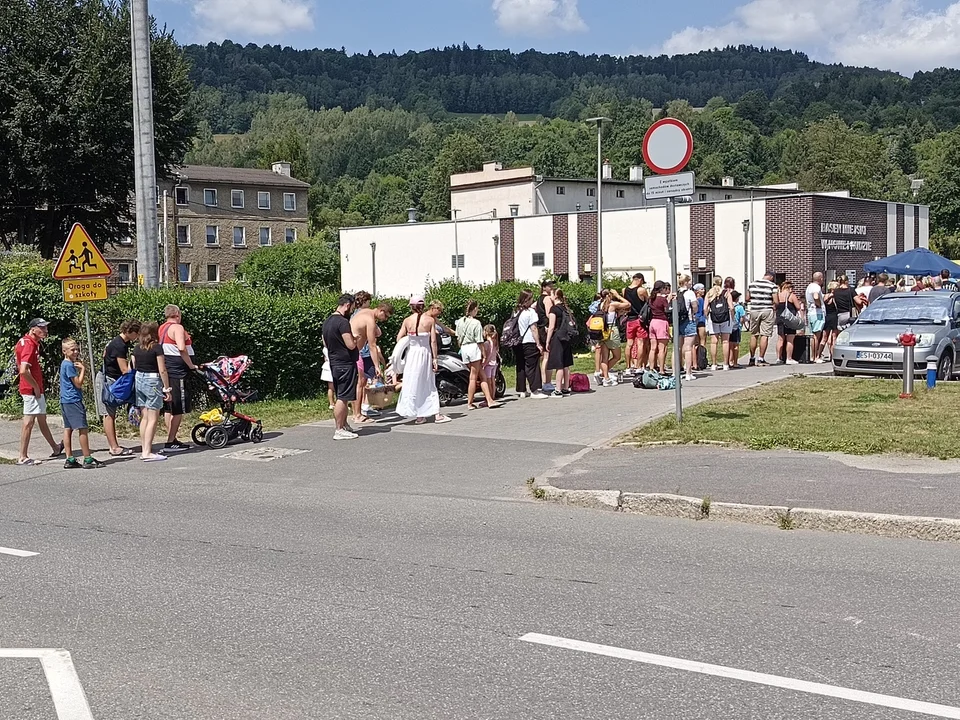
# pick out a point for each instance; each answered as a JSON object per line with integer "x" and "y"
{"x": 345, "y": 379}
{"x": 844, "y": 320}
{"x": 470, "y": 353}
{"x": 613, "y": 342}
{"x": 365, "y": 366}
{"x": 715, "y": 328}
{"x": 761, "y": 322}
{"x": 659, "y": 329}
{"x": 636, "y": 330}
{"x": 490, "y": 371}
{"x": 33, "y": 405}
{"x": 74, "y": 416}
{"x": 817, "y": 323}
{"x": 689, "y": 329}
{"x": 179, "y": 399}
{"x": 149, "y": 392}
{"x": 830, "y": 324}
{"x": 735, "y": 336}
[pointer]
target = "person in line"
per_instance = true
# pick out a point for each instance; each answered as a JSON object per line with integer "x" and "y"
{"x": 178, "y": 354}
{"x": 719, "y": 314}
{"x": 638, "y": 336}
{"x": 341, "y": 345}
{"x": 361, "y": 301}
{"x": 700, "y": 291}
{"x": 760, "y": 301}
{"x": 847, "y": 302}
{"x": 153, "y": 387}
{"x": 419, "y": 397}
{"x": 370, "y": 363}
{"x": 817, "y": 315}
{"x": 946, "y": 282}
{"x": 592, "y": 342}
{"x": 613, "y": 305}
{"x": 883, "y": 287}
{"x": 491, "y": 355}
{"x": 831, "y": 321}
{"x": 739, "y": 315}
{"x": 561, "y": 348}
{"x": 27, "y": 358}
{"x": 688, "y": 327}
{"x": 544, "y": 305}
{"x": 115, "y": 364}
{"x": 72, "y": 409}
{"x": 528, "y": 352}
{"x": 786, "y": 336}
{"x": 471, "y": 340}
{"x": 659, "y": 326}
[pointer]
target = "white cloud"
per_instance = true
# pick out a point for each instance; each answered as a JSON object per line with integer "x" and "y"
{"x": 219, "y": 19}
{"x": 538, "y": 17}
{"x": 890, "y": 34}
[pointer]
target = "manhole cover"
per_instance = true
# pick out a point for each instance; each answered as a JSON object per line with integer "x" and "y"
{"x": 264, "y": 454}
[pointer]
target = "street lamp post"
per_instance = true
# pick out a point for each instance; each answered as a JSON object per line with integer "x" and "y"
{"x": 496, "y": 258}
{"x": 456, "y": 247}
{"x": 746, "y": 255}
{"x": 599, "y": 122}
{"x": 373, "y": 266}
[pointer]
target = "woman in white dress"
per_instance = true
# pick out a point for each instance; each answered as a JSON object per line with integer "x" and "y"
{"x": 419, "y": 397}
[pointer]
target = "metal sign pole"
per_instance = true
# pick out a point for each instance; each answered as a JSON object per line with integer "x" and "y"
{"x": 86, "y": 318}
{"x": 677, "y": 337}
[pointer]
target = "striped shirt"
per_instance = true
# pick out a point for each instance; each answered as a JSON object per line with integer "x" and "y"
{"x": 761, "y": 295}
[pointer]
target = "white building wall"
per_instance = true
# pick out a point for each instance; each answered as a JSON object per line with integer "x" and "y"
{"x": 909, "y": 227}
{"x": 532, "y": 235}
{"x": 758, "y": 234}
{"x": 730, "y": 252}
{"x": 469, "y": 203}
{"x": 683, "y": 244}
{"x": 924, "y": 219}
{"x": 573, "y": 250}
{"x": 635, "y": 241}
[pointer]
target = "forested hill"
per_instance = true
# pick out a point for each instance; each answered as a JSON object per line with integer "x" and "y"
{"x": 233, "y": 81}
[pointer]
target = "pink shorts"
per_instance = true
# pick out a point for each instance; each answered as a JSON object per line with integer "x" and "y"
{"x": 490, "y": 371}
{"x": 659, "y": 329}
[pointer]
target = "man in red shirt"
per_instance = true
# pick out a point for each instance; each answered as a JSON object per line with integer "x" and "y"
{"x": 27, "y": 352}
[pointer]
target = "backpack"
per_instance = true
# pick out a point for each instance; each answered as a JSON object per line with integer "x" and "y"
{"x": 510, "y": 337}
{"x": 649, "y": 380}
{"x": 597, "y": 325}
{"x": 683, "y": 310}
{"x": 120, "y": 392}
{"x": 567, "y": 332}
{"x": 667, "y": 383}
{"x": 719, "y": 309}
{"x": 645, "y": 315}
{"x": 579, "y": 383}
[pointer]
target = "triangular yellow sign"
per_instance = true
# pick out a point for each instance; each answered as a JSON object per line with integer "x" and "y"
{"x": 80, "y": 257}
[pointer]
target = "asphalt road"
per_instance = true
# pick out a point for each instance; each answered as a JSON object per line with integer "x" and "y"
{"x": 393, "y": 577}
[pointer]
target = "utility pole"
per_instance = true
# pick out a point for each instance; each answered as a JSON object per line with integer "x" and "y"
{"x": 144, "y": 155}
{"x": 599, "y": 121}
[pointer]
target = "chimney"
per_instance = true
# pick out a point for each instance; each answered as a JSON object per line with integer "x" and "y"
{"x": 636, "y": 173}
{"x": 727, "y": 181}
{"x": 489, "y": 167}
{"x": 607, "y": 170}
{"x": 411, "y": 215}
{"x": 281, "y": 168}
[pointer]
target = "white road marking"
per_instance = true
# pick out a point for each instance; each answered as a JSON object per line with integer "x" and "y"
{"x": 786, "y": 683}
{"x": 68, "y": 697}
{"x": 16, "y": 553}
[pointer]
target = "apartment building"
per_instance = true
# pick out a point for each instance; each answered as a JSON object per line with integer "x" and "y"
{"x": 215, "y": 217}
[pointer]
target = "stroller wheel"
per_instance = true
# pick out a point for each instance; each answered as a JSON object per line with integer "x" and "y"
{"x": 256, "y": 433}
{"x": 199, "y": 434}
{"x": 217, "y": 437}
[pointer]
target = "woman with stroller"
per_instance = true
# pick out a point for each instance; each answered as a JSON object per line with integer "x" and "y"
{"x": 419, "y": 397}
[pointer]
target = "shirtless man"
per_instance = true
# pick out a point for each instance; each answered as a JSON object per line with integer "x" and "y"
{"x": 365, "y": 330}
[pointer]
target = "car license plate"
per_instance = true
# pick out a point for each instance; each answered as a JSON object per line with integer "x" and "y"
{"x": 867, "y": 355}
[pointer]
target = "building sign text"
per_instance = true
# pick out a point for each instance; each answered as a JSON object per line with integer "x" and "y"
{"x": 841, "y": 229}
{"x": 856, "y": 245}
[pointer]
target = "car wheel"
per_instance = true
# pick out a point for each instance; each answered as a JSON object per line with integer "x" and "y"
{"x": 945, "y": 366}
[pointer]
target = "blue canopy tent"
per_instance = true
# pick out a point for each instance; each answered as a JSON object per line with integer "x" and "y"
{"x": 918, "y": 262}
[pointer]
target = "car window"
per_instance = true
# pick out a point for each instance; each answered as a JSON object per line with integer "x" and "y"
{"x": 912, "y": 309}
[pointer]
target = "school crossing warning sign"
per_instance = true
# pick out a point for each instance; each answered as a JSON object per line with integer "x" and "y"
{"x": 80, "y": 258}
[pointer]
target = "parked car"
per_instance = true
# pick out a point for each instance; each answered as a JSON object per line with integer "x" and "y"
{"x": 870, "y": 347}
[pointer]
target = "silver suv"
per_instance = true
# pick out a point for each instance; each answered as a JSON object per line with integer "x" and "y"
{"x": 869, "y": 346}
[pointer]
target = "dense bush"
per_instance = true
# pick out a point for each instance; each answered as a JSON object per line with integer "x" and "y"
{"x": 289, "y": 268}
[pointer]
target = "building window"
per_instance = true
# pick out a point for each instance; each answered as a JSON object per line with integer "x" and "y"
{"x": 539, "y": 259}
{"x": 213, "y": 235}
{"x": 239, "y": 237}
{"x": 703, "y": 197}
{"x": 213, "y": 273}
{"x": 265, "y": 236}
{"x": 263, "y": 200}
{"x": 290, "y": 235}
{"x": 290, "y": 201}
{"x": 236, "y": 198}
{"x": 124, "y": 272}
{"x": 561, "y": 190}
{"x": 182, "y": 195}
{"x": 183, "y": 234}
{"x": 728, "y": 197}
{"x": 210, "y": 198}
{"x": 621, "y": 194}
{"x": 183, "y": 272}
{"x": 456, "y": 261}
{"x": 591, "y": 192}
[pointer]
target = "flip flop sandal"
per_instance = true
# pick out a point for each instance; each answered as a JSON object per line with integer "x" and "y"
{"x": 420, "y": 421}
{"x": 124, "y": 452}
{"x": 28, "y": 461}
{"x": 442, "y": 419}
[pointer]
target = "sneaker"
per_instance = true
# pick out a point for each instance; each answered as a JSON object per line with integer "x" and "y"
{"x": 726, "y": 367}
{"x": 689, "y": 378}
{"x": 791, "y": 361}
{"x": 557, "y": 393}
{"x": 819, "y": 361}
{"x": 153, "y": 457}
{"x": 598, "y": 377}
{"x": 610, "y": 383}
{"x": 369, "y": 411}
{"x": 175, "y": 447}
{"x": 751, "y": 362}
{"x": 566, "y": 392}
{"x": 762, "y": 363}
{"x": 716, "y": 368}
{"x": 344, "y": 434}
{"x": 91, "y": 463}
{"x": 538, "y": 395}
{"x": 71, "y": 464}
{"x": 58, "y": 453}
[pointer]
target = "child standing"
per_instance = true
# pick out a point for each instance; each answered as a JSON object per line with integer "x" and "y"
{"x": 491, "y": 356}
{"x": 72, "y": 373}
{"x": 326, "y": 374}
{"x": 739, "y": 313}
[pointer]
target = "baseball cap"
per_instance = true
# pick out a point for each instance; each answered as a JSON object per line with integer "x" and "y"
{"x": 699, "y": 286}
{"x": 416, "y": 300}
{"x": 38, "y": 322}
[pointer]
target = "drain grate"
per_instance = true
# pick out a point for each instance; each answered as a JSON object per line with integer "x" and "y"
{"x": 264, "y": 454}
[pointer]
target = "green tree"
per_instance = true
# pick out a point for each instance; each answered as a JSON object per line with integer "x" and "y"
{"x": 66, "y": 143}
{"x": 310, "y": 266}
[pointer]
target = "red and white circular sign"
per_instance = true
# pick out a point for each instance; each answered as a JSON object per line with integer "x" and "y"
{"x": 667, "y": 146}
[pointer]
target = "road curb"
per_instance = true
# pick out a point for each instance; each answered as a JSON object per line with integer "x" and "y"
{"x": 782, "y": 517}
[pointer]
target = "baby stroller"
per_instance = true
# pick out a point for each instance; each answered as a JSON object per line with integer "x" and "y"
{"x": 221, "y": 425}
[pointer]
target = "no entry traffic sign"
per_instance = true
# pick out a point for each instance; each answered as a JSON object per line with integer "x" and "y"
{"x": 667, "y": 146}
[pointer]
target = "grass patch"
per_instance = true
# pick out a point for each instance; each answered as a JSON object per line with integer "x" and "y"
{"x": 860, "y": 417}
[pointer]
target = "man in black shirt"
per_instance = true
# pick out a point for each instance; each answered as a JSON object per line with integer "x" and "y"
{"x": 115, "y": 364}
{"x": 342, "y": 350}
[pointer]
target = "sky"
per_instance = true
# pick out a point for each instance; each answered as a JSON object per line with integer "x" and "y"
{"x": 900, "y": 35}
